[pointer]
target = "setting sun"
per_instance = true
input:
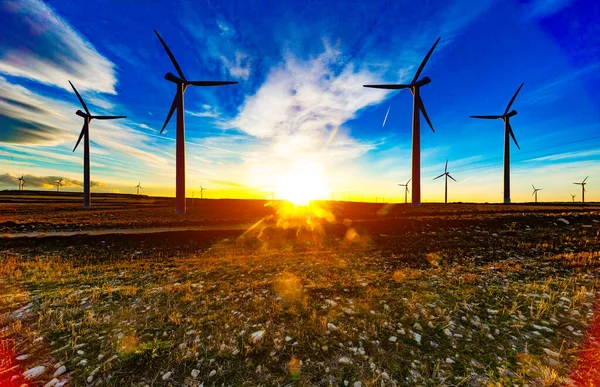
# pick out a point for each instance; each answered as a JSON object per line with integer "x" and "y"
{"x": 302, "y": 183}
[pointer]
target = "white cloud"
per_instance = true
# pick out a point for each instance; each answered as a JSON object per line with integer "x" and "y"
{"x": 46, "y": 48}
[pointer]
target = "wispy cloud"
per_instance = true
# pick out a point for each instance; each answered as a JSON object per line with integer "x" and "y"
{"x": 538, "y": 9}
{"x": 45, "y": 48}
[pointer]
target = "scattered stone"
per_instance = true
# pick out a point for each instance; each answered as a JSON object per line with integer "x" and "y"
{"x": 195, "y": 373}
{"x": 167, "y": 375}
{"x": 562, "y": 220}
{"x": 344, "y": 360}
{"x": 257, "y": 336}
{"x": 61, "y": 370}
{"x": 212, "y": 373}
{"x": 393, "y": 339}
{"x": 34, "y": 373}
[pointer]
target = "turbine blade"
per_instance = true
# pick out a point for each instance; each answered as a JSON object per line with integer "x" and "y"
{"x": 408, "y": 181}
{"x": 210, "y": 83}
{"x": 392, "y": 87}
{"x": 510, "y": 131}
{"x": 446, "y": 167}
{"x": 80, "y": 136}
{"x": 108, "y": 117}
{"x": 439, "y": 176}
{"x": 533, "y": 187}
{"x": 452, "y": 178}
{"x": 487, "y": 117}
{"x": 513, "y": 98}
{"x": 170, "y": 55}
{"x": 386, "y": 115}
{"x": 425, "y": 61}
{"x": 585, "y": 179}
{"x": 80, "y": 99}
{"x": 173, "y": 107}
{"x": 422, "y": 107}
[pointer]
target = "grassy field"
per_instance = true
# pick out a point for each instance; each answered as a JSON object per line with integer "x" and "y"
{"x": 442, "y": 296}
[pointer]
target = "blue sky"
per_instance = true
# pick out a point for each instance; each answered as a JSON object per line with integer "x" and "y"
{"x": 299, "y": 108}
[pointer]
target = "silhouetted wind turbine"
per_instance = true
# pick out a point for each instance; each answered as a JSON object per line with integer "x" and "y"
{"x": 85, "y": 134}
{"x": 182, "y": 83}
{"x": 507, "y": 132}
{"x": 582, "y": 184}
{"x": 58, "y": 184}
{"x": 573, "y": 197}
{"x": 447, "y": 175}
{"x": 405, "y": 190}
{"x": 138, "y": 188}
{"x": 418, "y": 108}
{"x": 535, "y": 191}
{"x": 202, "y": 192}
{"x": 22, "y": 182}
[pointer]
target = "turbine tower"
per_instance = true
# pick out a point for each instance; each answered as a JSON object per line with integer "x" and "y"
{"x": 182, "y": 83}
{"x": 447, "y": 175}
{"x": 507, "y": 132}
{"x": 573, "y": 197}
{"x": 202, "y": 192}
{"x": 418, "y": 108}
{"x": 85, "y": 134}
{"x": 138, "y": 188}
{"x": 582, "y": 184}
{"x": 405, "y": 190}
{"x": 58, "y": 184}
{"x": 535, "y": 191}
{"x": 22, "y": 182}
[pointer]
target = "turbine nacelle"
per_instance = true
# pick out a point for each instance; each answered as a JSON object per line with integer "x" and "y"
{"x": 421, "y": 82}
{"x": 82, "y": 114}
{"x": 173, "y": 78}
{"x": 512, "y": 113}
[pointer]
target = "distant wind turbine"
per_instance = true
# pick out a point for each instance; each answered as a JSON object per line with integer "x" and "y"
{"x": 405, "y": 190}
{"x": 202, "y": 192}
{"x": 138, "y": 188}
{"x": 535, "y": 191}
{"x": 182, "y": 83}
{"x": 85, "y": 134}
{"x": 418, "y": 108}
{"x": 58, "y": 184}
{"x": 507, "y": 132}
{"x": 447, "y": 175}
{"x": 573, "y": 197}
{"x": 22, "y": 182}
{"x": 582, "y": 184}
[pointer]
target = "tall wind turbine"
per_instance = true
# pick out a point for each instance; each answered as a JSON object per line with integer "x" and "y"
{"x": 582, "y": 184}
{"x": 535, "y": 191}
{"x": 85, "y": 134}
{"x": 58, "y": 184}
{"x": 405, "y": 190}
{"x": 573, "y": 197}
{"x": 22, "y": 182}
{"x": 418, "y": 108}
{"x": 507, "y": 132}
{"x": 202, "y": 192}
{"x": 447, "y": 175}
{"x": 182, "y": 83}
{"x": 138, "y": 188}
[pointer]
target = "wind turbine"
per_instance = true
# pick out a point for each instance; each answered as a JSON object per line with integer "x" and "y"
{"x": 58, "y": 184}
{"x": 85, "y": 134}
{"x": 418, "y": 108}
{"x": 202, "y": 192}
{"x": 22, "y": 182}
{"x": 138, "y": 188}
{"x": 447, "y": 175}
{"x": 507, "y": 131}
{"x": 535, "y": 191}
{"x": 582, "y": 184}
{"x": 182, "y": 83}
{"x": 405, "y": 190}
{"x": 573, "y": 197}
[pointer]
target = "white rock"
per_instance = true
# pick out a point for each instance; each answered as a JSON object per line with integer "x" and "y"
{"x": 331, "y": 327}
{"x": 195, "y": 373}
{"x": 562, "y": 220}
{"x": 357, "y": 384}
{"x": 22, "y": 357}
{"x": 52, "y": 383}
{"x": 167, "y": 375}
{"x": 344, "y": 360}
{"x": 551, "y": 353}
{"x": 61, "y": 370}
{"x": 449, "y": 361}
{"x": 82, "y": 362}
{"x": 418, "y": 327}
{"x": 80, "y": 352}
{"x": 393, "y": 339}
{"x": 212, "y": 373}
{"x": 417, "y": 337}
{"x": 288, "y": 338}
{"x": 257, "y": 336}
{"x": 34, "y": 373}
{"x": 447, "y": 332}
